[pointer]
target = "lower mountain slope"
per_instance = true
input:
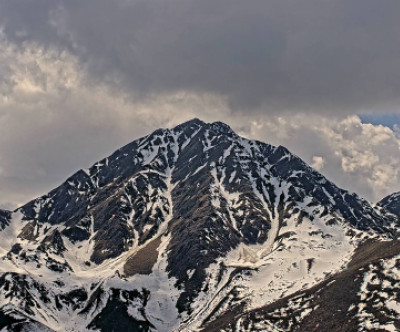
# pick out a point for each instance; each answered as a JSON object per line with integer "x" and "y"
{"x": 365, "y": 296}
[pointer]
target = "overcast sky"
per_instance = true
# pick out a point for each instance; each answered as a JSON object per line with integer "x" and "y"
{"x": 79, "y": 79}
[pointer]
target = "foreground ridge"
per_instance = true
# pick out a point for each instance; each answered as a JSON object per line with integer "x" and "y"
{"x": 197, "y": 228}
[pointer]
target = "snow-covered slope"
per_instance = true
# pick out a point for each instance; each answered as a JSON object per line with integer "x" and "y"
{"x": 176, "y": 230}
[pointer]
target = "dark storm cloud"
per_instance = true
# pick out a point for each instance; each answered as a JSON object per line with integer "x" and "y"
{"x": 325, "y": 56}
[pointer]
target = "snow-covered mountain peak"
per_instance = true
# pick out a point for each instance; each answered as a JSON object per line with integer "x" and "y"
{"x": 176, "y": 227}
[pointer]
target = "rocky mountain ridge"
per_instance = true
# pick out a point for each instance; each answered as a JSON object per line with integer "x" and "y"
{"x": 391, "y": 203}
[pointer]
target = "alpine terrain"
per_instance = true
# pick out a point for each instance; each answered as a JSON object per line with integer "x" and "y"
{"x": 198, "y": 229}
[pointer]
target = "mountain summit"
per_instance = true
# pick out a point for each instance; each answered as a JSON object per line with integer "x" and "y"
{"x": 197, "y": 228}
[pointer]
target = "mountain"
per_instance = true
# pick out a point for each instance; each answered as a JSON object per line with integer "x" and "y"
{"x": 391, "y": 203}
{"x": 196, "y": 228}
{"x": 5, "y": 217}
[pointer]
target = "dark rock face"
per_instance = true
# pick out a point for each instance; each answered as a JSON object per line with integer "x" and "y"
{"x": 391, "y": 203}
{"x": 201, "y": 188}
{"x": 115, "y": 317}
{"x": 53, "y": 242}
{"x": 29, "y": 232}
{"x": 16, "y": 249}
{"x": 20, "y": 288}
{"x": 76, "y": 234}
{"x": 11, "y": 324}
{"x": 74, "y": 298}
{"x": 5, "y": 217}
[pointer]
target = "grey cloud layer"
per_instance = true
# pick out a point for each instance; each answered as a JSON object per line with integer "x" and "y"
{"x": 54, "y": 120}
{"x": 338, "y": 56}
